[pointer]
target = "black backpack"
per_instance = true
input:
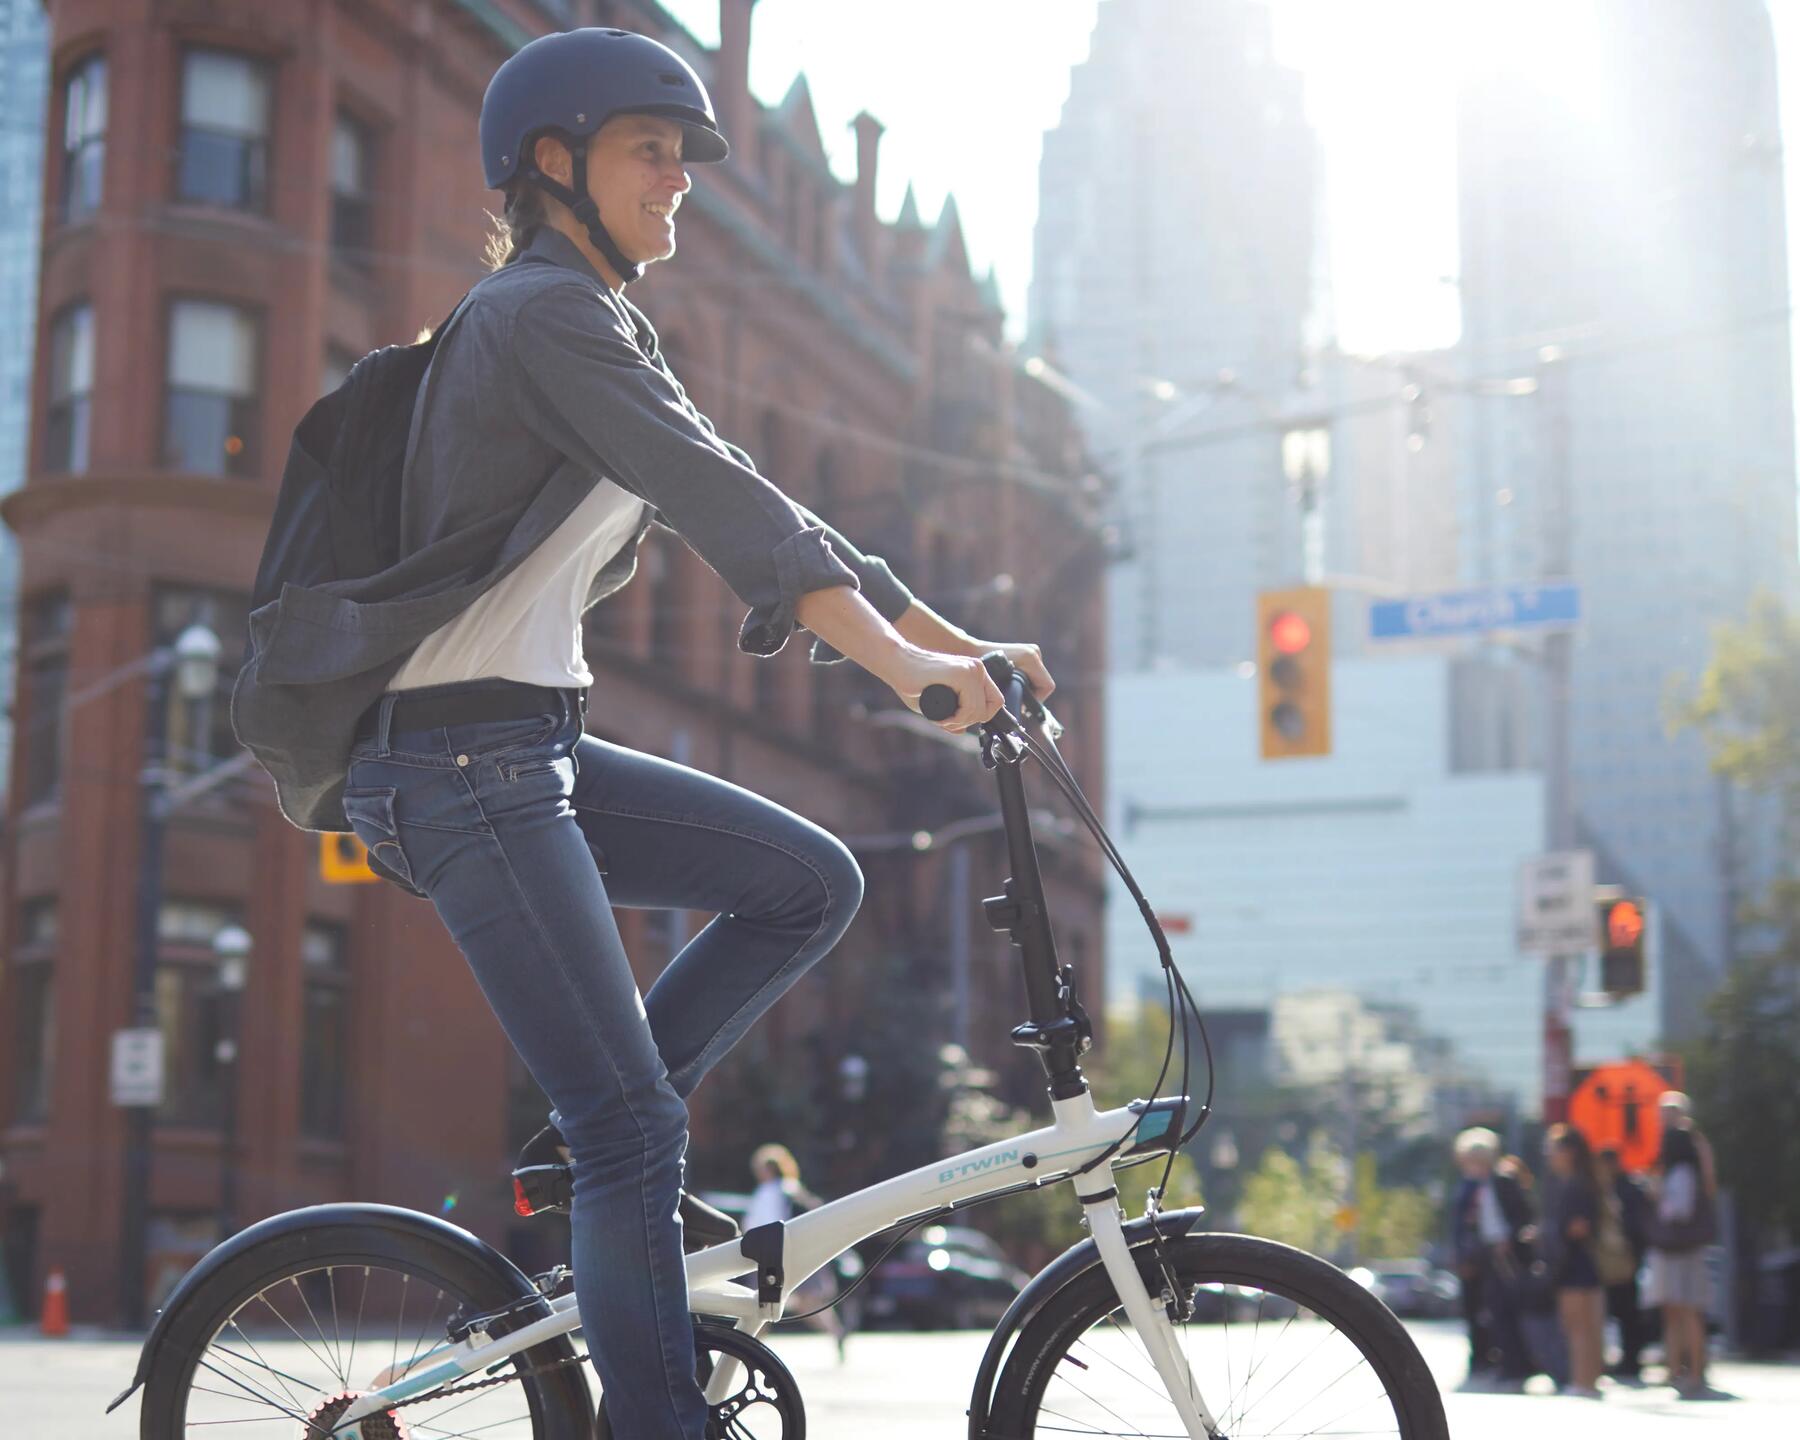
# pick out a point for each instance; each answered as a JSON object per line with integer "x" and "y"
{"x": 337, "y": 516}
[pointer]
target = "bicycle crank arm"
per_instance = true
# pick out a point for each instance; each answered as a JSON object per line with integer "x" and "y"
{"x": 1149, "y": 1318}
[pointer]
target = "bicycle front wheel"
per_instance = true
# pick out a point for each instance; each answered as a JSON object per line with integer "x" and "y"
{"x": 1279, "y": 1343}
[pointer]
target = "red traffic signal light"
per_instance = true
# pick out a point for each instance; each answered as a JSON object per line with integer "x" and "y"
{"x": 1289, "y": 633}
{"x": 1624, "y": 925}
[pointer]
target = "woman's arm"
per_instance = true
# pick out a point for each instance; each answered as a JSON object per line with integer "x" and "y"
{"x": 847, "y": 622}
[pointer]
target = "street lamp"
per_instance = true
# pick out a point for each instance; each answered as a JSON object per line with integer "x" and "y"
{"x": 232, "y": 946}
{"x": 192, "y": 663}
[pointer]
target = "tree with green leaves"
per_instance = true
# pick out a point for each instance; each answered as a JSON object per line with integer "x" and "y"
{"x": 1744, "y": 1069}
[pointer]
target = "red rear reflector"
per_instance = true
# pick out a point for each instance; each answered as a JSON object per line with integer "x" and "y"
{"x": 521, "y": 1205}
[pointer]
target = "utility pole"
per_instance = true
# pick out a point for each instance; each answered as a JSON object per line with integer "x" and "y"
{"x": 1557, "y": 563}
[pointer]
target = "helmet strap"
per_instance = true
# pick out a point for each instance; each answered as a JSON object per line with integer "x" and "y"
{"x": 583, "y": 208}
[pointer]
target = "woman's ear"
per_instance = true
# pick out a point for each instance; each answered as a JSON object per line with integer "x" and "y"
{"x": 551, "y": 157}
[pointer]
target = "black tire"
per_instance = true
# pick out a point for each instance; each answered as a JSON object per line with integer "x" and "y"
{"x": 1043, "y": 1376}
{"x": 214, "y": 1337}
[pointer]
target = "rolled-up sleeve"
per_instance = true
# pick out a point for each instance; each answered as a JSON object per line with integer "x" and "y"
{"x": 880, "y": 586}
{"x": 586, "y": 389}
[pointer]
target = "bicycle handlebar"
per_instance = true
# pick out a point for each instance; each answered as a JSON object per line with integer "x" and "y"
{"x": 938, "y": 702}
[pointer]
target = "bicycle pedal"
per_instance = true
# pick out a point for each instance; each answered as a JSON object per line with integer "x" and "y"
{"x": 538, "y": 1189}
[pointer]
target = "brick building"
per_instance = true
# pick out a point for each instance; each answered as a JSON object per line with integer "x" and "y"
{"x": 239, "y": 199}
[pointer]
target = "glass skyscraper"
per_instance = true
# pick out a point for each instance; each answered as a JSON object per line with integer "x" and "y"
{"x": 24, "y": 73}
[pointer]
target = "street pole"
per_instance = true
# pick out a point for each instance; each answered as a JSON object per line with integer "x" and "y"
{"x": 153, "y": 781}
{"x": 1557, "y": 564}
{"x": 192, "y": 664}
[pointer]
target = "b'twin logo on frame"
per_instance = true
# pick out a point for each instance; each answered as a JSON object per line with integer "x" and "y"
{"x": 975, "y": 1167}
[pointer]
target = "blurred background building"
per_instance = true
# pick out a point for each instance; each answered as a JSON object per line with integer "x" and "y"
{"x": 242, "y": 199}
{"x": 1624, "y": 240}
{"x": 1178, "y": 297}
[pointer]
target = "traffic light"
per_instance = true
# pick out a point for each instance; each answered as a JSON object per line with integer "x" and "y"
{"x": 1293, "y": 671}
{"x": 1622, "y": 938}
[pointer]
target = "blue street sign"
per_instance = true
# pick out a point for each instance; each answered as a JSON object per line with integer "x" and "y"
{"x": 1473, "y": 612}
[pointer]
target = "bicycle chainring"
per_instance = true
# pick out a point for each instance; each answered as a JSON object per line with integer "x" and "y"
{"x": 385, "y": 1425}
{"x": 764, "y": 1402}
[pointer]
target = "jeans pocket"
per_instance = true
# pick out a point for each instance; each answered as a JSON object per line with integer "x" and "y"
{"x": 371, "y": 816}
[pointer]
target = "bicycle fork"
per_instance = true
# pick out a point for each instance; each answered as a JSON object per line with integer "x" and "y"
{"x": 1149, "y": 1317}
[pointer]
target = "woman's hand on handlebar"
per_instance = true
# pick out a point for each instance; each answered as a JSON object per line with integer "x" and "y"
{"x": 977, "y": 697}
{"x": 1028, "y": 660}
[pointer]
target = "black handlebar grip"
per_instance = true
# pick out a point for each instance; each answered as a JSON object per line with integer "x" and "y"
{"x": 938, "y": 702}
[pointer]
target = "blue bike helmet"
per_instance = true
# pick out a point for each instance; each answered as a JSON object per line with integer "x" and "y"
{"x": 572, "y": 83}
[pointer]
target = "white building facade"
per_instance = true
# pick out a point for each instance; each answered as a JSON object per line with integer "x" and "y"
{"x": 1385, "y": 870}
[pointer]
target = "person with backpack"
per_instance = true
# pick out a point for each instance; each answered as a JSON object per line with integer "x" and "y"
{"x": 1681, "y": 1228}
{"x": 434, "y": 703}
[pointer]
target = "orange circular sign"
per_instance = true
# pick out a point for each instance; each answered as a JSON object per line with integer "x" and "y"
{"x": 1615, "y": 1105}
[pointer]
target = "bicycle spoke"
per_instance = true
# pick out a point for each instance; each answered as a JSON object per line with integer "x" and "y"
{"x": 361, "y": 1301}
{"x": 319, "y": 1330}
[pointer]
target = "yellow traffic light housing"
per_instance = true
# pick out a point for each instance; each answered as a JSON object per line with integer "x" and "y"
{"x": 1293, "y": 671}
{"x": 344, "y": 860}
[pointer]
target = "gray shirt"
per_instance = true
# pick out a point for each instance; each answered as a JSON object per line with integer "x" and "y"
{"x": 544, "y": 382}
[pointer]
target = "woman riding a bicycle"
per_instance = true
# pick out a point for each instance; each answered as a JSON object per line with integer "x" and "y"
{"x": 471, "y": 780}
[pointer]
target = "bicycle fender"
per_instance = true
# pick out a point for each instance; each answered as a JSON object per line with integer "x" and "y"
{"x": 1074, "y": 1262}
{"x": 295, "y": 1230}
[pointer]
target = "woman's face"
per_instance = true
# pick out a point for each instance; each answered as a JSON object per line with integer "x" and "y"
{"x": 636, "y": 178}
{"x": 1561, "y": 1161}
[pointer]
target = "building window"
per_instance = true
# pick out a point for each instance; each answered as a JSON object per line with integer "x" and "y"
{"x": 209, "y": 423}
{"x": 198, "y": 733}
{"x": 325, "y": 1048}
{"x": 352, "y": 210}
{"x": 45, "y": 663}
{"x": 33, "y": 1027}
{"x": 224, "y": 131}
{"x": 84, "y": 138}
{"x": 71, "y": 386}
{"x": 192, "y": 1009}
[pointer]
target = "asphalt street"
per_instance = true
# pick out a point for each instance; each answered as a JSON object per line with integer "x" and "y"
{"x": 903, "y": 1385}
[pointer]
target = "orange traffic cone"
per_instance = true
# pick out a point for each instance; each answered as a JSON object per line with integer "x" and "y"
{"x": 55, "y": 1317}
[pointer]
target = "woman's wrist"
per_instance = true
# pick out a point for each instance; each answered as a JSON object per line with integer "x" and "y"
{"x": 924, "y": 627}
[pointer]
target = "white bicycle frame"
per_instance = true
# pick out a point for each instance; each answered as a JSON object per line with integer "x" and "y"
{"x": 1045, "y": 1156}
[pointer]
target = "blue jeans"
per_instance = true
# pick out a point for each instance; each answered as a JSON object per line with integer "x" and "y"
{"x": 525, "y": 834}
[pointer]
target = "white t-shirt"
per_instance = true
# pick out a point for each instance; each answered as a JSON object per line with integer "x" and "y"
{"x": 1490, "y": 1218}
{"x": 528, "y": 627}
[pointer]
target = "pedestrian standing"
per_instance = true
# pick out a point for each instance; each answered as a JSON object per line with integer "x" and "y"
{"x": 778, "y": 1197}
{"x": 1681, "y": 1229}
{"x": 1622, "y": 1300}
{"x": 1489, "y": 1215}
{"x": 1571, "y": 1228}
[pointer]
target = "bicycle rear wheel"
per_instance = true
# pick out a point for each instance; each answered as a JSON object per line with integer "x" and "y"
{"x": 274, "y": 1343}
{"x": 1280, "y": 1344}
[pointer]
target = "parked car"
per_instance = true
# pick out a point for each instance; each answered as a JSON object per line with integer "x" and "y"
{"x": 1412, "y": 1289}
{"x": 948, "y": 1277}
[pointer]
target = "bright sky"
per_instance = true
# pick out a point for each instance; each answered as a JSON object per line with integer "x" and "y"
{"x": 967, "y": 90}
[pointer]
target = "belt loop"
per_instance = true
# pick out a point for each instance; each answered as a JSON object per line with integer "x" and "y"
{"x": 384, "y": 721}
